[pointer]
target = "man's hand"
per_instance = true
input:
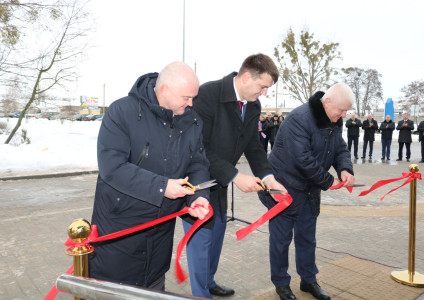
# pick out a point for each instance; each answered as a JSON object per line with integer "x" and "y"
{"x": 350, "y": 179}
{"x": 271, "y": 183}
{"x": 201, "y": 211}
{"x": 247, "y": 183}
{"x": 174, "y": 189}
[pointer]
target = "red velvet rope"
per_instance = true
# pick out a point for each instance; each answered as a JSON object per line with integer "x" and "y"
{"x": 283, "y": 202}
{"x": 409, "y": 176}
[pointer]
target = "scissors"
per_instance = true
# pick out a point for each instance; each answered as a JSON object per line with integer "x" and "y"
{"x": 269, "y": 191}
{"x": 200, "y": 186}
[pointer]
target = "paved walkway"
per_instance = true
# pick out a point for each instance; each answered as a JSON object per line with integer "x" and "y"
{"x": 360, "y": 240}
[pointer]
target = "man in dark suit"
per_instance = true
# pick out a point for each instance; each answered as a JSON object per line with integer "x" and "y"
{"x": 405, "y": 137}
{"x": 353, "y": 125}
{"x": 369, "y": 126}
{"x": 230, "y": 110}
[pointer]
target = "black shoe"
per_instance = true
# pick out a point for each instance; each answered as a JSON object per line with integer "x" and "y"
{"x": 382, "y": 158}
{"x": 388, "y": 158}
{"x": 222, "y": 291}
{"x": 363, "y": 157}
{"x": 407, "y": 159}
{"x": 399, "y": 159}
{"x": 422, "y": 161}
{"x": 285, "y": 293}
{"x": 315, "y": 290}
{"x": 356, "y": 157}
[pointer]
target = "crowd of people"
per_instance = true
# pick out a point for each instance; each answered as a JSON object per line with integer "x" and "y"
{"x": 169, "y": 130}
{"x": 386, "y": 128}
{"x": 268, "y": 127}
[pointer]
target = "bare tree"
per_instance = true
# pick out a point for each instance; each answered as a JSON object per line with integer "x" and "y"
{"x": 413, "y": 94}
{"x": 9, "y": 102}
{"x": 54, "y": 66}
{"x": 366, "y": 86}
{"x": 15, "y": 18}
{"x": 305, "y": 64}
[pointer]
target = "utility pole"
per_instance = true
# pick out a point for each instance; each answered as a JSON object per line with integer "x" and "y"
{"x": 184, "y": 32}
{"x": 104, "y": 98}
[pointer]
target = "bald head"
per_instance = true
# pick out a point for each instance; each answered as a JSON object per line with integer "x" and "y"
{"x": 175, "y": 74}
{"x": 176, "y": 87}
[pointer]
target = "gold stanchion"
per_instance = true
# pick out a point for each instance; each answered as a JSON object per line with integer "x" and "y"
{"x": 78, "y": 231}
{"x": 410, "y": 277}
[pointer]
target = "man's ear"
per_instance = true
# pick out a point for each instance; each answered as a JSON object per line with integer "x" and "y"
{"x": 245, "y": 77}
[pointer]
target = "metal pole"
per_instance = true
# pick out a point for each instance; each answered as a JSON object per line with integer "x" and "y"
{"x": 184, "y": 32}
{"x": 410, "y": 277}
{"x": 91, "y": 289}
{"x": 104, "y": 97}
{"x": 78, "y": 231}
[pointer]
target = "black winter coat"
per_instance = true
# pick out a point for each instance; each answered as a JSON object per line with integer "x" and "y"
{"x": 305, "y": 148}
{"x": 140, "y": 146}
{"x": 353, "y": 129}
{"x": 421, "y": 131}
{"x": 405, "y": 133}
{"x": 387, "y": 133}
{"x": 226, "y": 137}
{"x": 272, "y": 130}
{"x": 369, "y": 131}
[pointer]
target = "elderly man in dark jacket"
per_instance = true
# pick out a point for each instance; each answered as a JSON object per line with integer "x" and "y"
{"x": 421, "y": 139}
{"x": 230, "y": 111}
{"x": 147, "y": 143}
{"x": 405, "y": 128}
{"x": 353, "y": 125}
{"x": 369, "y": 126}
{"x": 308, "y": 143}
{"x": 386, "y": 129}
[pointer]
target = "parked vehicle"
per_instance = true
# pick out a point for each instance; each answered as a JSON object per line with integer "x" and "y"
{"x": 15, "y": 114}
{"x": 96, "y": 117}
{"x": 86, "y": 117}
{"x": 48, "y": 115}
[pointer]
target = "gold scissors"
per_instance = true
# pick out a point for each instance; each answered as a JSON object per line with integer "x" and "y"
{"x": 200, "y": 186}
{"x": 269, "y": 191}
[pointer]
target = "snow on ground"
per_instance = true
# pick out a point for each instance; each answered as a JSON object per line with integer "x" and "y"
{"x": 62, "y": 146}
{"x": 55, "y": 145}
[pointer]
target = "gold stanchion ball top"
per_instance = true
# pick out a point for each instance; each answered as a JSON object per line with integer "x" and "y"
{"x": 414, "y": 168}
{"x": 79, "y": 230}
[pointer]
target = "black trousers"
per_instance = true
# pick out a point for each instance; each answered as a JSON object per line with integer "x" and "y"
{"x": 408, "y": 150}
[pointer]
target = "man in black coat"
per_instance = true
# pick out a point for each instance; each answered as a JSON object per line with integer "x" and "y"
{"x": 148, "y": 142}
{"x": 369, "y": 126}
{"x": 273, "y": 129}
{"x": 405, "y": 128}
{"x": 421, "y": 139}
{"x": 353, "y": 125}
{"x": 307, "y": 145}
{"x": 230, "y": 110}
{"x": 386, "y": 129}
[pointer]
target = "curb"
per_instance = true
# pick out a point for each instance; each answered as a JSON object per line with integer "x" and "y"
{"x": 50, "y": 175}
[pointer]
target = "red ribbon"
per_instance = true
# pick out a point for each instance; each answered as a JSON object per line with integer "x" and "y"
{"x": 336, "y": 187}
{"x": 54, "y": 291}
{"x": 283, "y": 202}
{"x": 181, "y": 276}
{"x": 409, "y": 176}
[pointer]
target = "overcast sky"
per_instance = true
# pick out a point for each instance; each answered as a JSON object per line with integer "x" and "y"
{"x": 134, "y": 37}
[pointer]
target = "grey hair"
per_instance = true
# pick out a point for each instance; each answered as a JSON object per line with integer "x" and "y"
{"x": 339, "y": 91}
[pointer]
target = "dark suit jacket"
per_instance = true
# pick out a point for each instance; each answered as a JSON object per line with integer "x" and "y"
{"x": 405, "y": 132}
{"x": 226, "y": 137}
